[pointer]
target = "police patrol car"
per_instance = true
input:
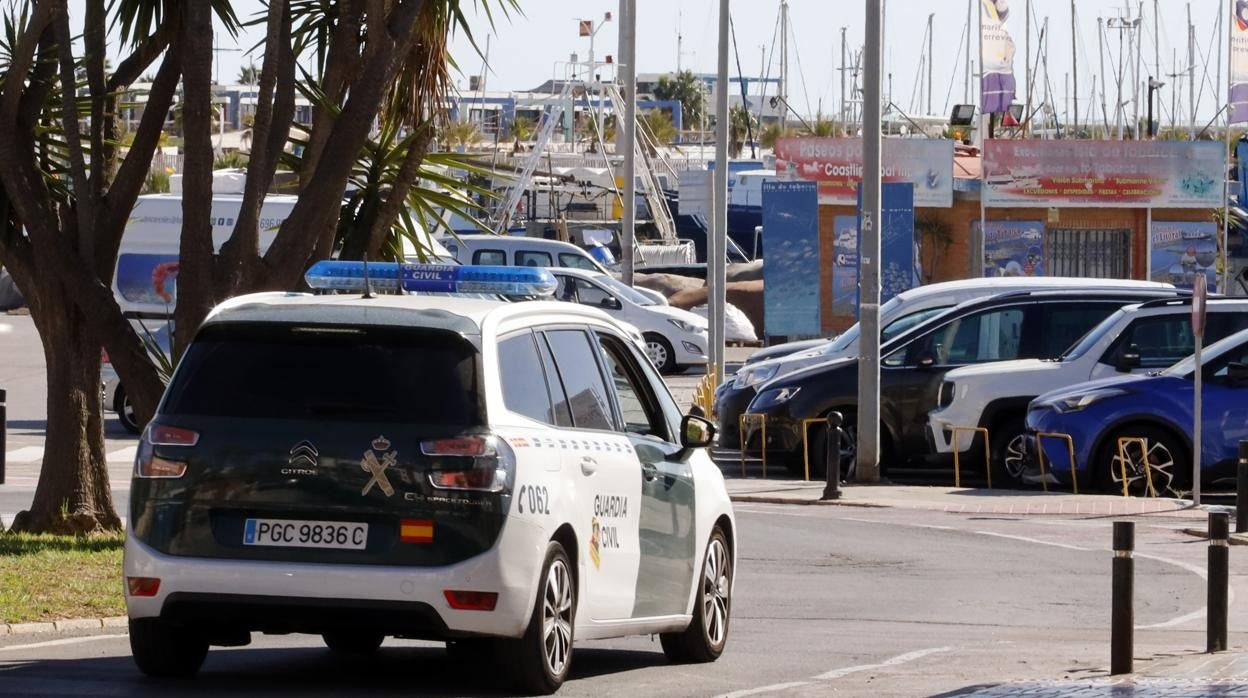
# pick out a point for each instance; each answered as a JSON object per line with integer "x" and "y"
{"x": 506, "y": 477}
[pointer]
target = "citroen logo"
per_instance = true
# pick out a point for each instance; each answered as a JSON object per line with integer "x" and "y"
{"x": 303, "y": 459}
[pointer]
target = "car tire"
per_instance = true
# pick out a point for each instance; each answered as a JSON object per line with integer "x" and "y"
{"x": 660, "y": 353}
{"x": 125, "y": 411}
{"x": 538, "y": 662}
{"x": 164, "y": 650}
{"x": 355, "y": 642}
{"x": 1167, "y": 459}
{"x": 1006, "y": 457}
{"x": 849, "y": 449}
{"x": 704, "y": 639}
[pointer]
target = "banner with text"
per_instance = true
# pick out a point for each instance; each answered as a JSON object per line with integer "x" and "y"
{"x": 836, "y": 164}
{"x": 791, "y": 247}
{"x": 1239, "y": 62}
{"x": 1181, "y": 251}
{"x": 996, "y": 50}
{"x": 1012, "y": 248}
{"x": 1122, "y": 174}
{"x": 845, "y": 266}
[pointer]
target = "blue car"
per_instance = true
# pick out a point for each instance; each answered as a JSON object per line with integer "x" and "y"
{"x": 1156, "y": 408}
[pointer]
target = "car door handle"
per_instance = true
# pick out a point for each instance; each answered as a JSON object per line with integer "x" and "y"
{"x": 649, "y": 472}
{"x": 588, "y": 465}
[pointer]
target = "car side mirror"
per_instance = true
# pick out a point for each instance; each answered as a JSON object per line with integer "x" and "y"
{"x": 696, "y": 432}
{"x": 926, "y": 360}
{"x": 1237, "y": 374}
{"x": 610, "y": 303}
{"x": 1129, "y": 359}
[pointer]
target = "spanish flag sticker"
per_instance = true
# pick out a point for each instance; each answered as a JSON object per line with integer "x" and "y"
{"x": 416, "y": 530}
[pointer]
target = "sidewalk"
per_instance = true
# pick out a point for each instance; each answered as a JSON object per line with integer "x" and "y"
{"x": 962, "y": 500}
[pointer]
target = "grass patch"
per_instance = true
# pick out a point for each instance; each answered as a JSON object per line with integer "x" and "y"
{"x": 45, "y": 577}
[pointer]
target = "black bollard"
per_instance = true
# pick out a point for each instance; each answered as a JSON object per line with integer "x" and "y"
{"x": 1219, "y": 564}
{"x": 4, "y": 417}
{"x": 1241, "y": 490}
{"x": 832, "y": 483}
{"x": 1122, "y": 622}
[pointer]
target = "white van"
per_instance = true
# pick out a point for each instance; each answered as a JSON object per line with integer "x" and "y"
{"x": 145, "y": 281}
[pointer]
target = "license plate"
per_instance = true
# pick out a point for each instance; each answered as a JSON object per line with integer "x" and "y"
{"x": 288, "y": 533}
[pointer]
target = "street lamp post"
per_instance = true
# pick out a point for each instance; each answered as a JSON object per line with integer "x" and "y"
{"x": 1153, "y": 85}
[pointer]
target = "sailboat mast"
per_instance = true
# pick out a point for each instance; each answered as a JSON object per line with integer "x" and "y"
{"x": 844, "y": 106}
{"x": 1074, "y": 66}
{"x": 966, "y": 83}
{"x": 1027, "y": 68}
{"x": 1191, "y": 69}
{"x": 784, "y": 61}
{"x": 1100, "y": 47}
{"x": 930, "y": 61}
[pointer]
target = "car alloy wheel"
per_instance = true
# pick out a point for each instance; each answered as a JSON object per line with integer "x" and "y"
{"x": 659, "y": 351}
{"x": 557, "y": 617}
{"x": 1014, "y": 459}
{"x": 1161, "y": 463}
{"x": 716, "y": 586}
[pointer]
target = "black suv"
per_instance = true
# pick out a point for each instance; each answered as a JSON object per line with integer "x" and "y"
{"x": 1020, "y": 325}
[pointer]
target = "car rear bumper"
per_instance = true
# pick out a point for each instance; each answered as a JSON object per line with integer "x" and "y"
{"x": 307, "y": 597}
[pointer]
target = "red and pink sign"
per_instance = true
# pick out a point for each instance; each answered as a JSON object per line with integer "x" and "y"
{"x": 1126, "y": 174}
{"x": 836, "y": 165}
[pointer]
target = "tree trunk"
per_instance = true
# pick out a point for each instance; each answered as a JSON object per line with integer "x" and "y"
{"x": 73, "y": 495}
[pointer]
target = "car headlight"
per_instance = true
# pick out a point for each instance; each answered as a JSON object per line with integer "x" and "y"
{"x": 685, "y": 326}
{"x": 1075, "y": 403}
{"x": 945, "y": 397}
{"x": 753, "y": 376}
{"x": 776, "y": 396}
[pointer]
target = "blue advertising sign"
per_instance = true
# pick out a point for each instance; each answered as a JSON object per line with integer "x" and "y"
{"x": 148, "y": 279}
{"x": 845, "y": 266}
{"x": 791, "y": 247}
{"x": 1012, "y": 248}
{"x": 1181, "y": 251}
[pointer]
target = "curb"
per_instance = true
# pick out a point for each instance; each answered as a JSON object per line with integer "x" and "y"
{"x": 62, "y": 626}
{"x": 757, "y": 499}
{"x": 1232, "y": 539}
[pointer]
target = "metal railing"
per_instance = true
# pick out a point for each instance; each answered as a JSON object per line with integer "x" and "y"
{"x": 1070, "y": 448}
{"x": 762, "y": 420}
{"x": 1122, "y": 461}
{"x": 957, "y": 455}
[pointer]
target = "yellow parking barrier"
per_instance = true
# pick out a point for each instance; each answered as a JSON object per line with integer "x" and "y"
{"x": 806, "y": 443}
{"x": 1070, "y": 448}
{"x": 704, "y": 392}
{"x": 957, "y": 460}
{"x": 1122, "y": 459}
{"x": 762, "y": 420}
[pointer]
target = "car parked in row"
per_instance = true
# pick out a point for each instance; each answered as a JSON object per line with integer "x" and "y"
{"x": 1156, "y": 408}
{"x": 1136, "y": 339}
{"x": 900, "y": 313}
{"x": 674, "y": 338}
{"x": 1024, "y": 324}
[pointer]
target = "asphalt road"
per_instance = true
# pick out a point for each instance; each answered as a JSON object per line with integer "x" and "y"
{"x": 860, "y": 601}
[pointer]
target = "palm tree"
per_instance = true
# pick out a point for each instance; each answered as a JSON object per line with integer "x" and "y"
{"x": 659, "y": 125}
{"x": 739, "y": 122}
{"x": 824, "y": 128}
{"x": 249, "y": 74}
{"x": 462, "y": 134}
{"x": 521, "y": 129}
{"x": 686, "y": 88}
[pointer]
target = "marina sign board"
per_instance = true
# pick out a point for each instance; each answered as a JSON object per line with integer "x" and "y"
{"x": 1123, "y": 174}
{"x": 836, "y": 164}
{"x": 791, "y": 247}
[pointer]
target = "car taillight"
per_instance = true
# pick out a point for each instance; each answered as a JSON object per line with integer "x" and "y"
{"x": 482, "y": 463}
{"x": 163, "y": 435}
{"x": 149, "y": 465}
{"x": 143, "y": 586}
{"x": 471, "y": 600}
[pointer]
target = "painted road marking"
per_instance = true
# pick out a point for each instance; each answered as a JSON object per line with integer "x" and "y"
{"x": 123, "y": 454}
{"x": 899, "y": 659}
{"x": 63, "y": 641}
{"x": 763, "y": 689}
{"x": 26, "y": 454}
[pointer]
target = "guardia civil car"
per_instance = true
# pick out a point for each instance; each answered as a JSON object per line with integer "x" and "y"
{"x": 505, "y": 477}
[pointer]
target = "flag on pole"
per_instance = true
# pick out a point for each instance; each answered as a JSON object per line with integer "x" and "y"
{"x": 1238, "y": 73}
{"x": 996, "y": 48}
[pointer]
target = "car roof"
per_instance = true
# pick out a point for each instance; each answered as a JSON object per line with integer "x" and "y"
{"x": 462, "y": 315}
{"x": 1030, "y": 296}
{"x": 1002, "y": 284}
{"x": 574, "y": 271}
{"x": 511, "y": 241}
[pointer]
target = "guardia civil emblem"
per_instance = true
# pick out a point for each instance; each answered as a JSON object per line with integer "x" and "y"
{"x": 376, "y": 461}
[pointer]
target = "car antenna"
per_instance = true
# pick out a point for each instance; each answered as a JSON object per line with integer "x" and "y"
{"x": 368, "y": 284}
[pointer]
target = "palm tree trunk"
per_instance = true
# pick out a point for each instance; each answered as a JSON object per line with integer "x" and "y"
{"x": 73, "y": 495}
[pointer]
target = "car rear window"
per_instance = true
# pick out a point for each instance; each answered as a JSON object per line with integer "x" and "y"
{"x": 337, "y": 373}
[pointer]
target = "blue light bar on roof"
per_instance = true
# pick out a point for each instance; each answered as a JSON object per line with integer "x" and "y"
{"x": 432, "y": 278}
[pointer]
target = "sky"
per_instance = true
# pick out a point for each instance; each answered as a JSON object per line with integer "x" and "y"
{"x": 524, "y": 49}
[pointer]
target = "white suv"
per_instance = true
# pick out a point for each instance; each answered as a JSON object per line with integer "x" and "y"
{"x": 1138, "y": 338}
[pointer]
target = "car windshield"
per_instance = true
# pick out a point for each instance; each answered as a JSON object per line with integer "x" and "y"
{"x": 1093, "y": 336}
{"x": 901, "y": 324}
{"x": 1211, "y": 353}
{"x": 625, "y": 291}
